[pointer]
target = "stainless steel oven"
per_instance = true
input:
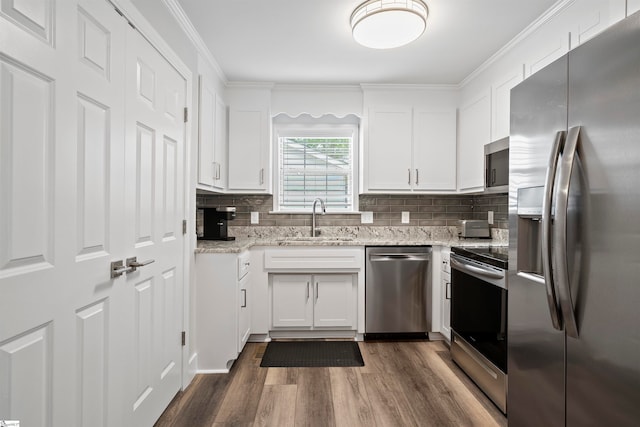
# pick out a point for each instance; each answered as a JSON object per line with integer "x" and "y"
{"x": 479, "y": 318}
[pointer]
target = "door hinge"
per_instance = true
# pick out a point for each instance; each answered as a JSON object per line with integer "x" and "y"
{"x": 186, "y": 114}
{"x": 184, "y": 338}
{"x": 184, "y": 226}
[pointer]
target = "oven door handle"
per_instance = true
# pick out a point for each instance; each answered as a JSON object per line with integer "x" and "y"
{"x": 462, "y": 266}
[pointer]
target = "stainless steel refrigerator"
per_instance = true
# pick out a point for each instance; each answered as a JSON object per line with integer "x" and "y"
{"x": 574, "y": 241}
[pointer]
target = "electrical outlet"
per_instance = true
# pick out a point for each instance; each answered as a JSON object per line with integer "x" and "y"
{"x": 405, "y": 217}
{"x": 255, "y": 217}
{"x": 490, "y": 217}
{"x": 366, "y": 217}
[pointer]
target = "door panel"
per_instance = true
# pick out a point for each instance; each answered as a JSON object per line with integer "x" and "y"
{"x": 291, "y": 300}
{"x": 334, "y": 300}
{"x": 27, "y": 162}
{"x": 388, "y": 152}
{"x": 27, "y": 368}
{"x": 68, "y": 354}
{"x": 154, "y": 147}
{"x": 535, "y": 349}
{"x": 602, "y": 363}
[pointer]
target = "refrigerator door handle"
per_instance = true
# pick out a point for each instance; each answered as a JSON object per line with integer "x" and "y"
{"x": 547, "y": 202}
{"x": 560, "y": 233}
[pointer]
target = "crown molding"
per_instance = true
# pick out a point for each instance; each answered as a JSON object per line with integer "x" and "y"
{"x": 185, "y": 23}
{"x": 411, "y": 87}
{"x": 316, "y": 87}
{"x": 552, "y": 12}
{"x": 250, "y": 85}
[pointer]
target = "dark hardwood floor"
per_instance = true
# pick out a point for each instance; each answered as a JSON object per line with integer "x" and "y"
{"x": 412, "y": 383}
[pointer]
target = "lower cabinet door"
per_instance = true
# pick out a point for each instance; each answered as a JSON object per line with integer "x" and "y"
{"x": 291, "y": 304}
{"x": 333, "y": 300}
{"x": 446, "y": 305}
{"x": 244, "y": 313}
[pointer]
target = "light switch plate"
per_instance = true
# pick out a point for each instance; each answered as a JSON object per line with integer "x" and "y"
{"x": 405, "y": 217}
{"x": 490, "y": 217}
{"x": 255, "y": 217}
{"x": 366, "y": 217}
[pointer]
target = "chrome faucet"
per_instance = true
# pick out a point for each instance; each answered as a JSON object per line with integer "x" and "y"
{"x": 313, "y": 215}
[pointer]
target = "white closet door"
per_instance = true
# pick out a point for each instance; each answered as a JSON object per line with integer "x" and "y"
{"x": 82, "y": 185}
{"x": 154, "y": 200}
{"x": 61, "y": 210}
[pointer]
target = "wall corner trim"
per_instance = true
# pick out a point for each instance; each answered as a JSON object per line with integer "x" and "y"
{"x": 552, "y": 12}
{"x": 185, "y": 23}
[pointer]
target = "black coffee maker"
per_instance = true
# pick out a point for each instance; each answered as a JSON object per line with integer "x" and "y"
{"x": 215, "y": 221}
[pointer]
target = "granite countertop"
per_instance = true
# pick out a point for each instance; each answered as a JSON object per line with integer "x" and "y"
{"x": 344, "y": 236}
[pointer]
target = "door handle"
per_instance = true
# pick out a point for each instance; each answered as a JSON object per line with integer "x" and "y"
{"x": 409, "y": 179}
{"x": 547, "y": 202}
{"x": 447, "y": 290}
{"x": 464, "y": 267}
{"x": 308, "y": 285}
{"x": 417, "y": 177}
{"x": 117, "y": 269}
{"x": 133, "y": 263}
{"x": 244, "y": 298}
{"x": 569, "y": 155}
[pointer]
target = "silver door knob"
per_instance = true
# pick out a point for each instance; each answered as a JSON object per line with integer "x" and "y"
{"x": 134, "y": 264}
{"x": 117, "y": 269}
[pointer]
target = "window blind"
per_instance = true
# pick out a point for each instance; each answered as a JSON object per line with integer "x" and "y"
{"x": 312, "y": 167}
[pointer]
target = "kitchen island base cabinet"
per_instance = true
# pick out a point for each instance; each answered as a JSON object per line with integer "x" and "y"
{"x": 223, "y": 309}
{"x": 313, "y": 301}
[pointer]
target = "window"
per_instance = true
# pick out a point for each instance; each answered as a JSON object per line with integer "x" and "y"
{"x": 316, "y": 161}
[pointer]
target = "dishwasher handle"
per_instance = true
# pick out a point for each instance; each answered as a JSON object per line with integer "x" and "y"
{"x": 399, "y": 257}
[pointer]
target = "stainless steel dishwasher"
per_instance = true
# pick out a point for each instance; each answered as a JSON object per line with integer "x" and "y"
{"x": 397, "y": 291}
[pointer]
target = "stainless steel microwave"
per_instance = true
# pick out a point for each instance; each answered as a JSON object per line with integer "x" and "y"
{"x": 496, "y": 166}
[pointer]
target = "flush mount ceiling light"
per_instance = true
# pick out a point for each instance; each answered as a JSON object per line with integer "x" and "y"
{"x": 385, "y": 24}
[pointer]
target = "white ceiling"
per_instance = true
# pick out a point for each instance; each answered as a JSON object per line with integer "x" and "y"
{"x": 309, "y": 41}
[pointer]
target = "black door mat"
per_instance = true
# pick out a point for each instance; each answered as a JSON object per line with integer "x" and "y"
{"x": 304, "y": 354}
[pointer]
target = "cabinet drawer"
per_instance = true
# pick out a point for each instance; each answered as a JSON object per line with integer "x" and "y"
{"x": 244, "y": 261}
{"x": 446, "y": 265}
{"x": 313, "y": 259}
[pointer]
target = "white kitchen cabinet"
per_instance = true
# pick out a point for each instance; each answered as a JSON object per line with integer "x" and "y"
{"x": 434, "y": 149}
{"x": 632, "y": 6}
{"x": 223, "y": 309}
{"x": 212, "y": 139}
{"x": 244, "y": 307}
{"x": 249, "y": 168}
{"x": 474, "y": 133}
{"x": 445, "y": 292}
{"x": 388, "y": 149}
{"x": 291, "y": 301}
{"x": 501, "y": 101}
{"x": 334, "y": 301}
{"x": 410, "y": 149}
{"x": 311, "y": 301}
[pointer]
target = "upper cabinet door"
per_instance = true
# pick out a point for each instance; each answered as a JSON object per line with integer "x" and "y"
{"x": 475, "y": 132}
{"x": 388, "y": 148}
{"x": 249, "y": 140}
{"x": 501, "y": 101}
{"x": 206, "y": 135}
{"x": 220, "y": 145}
{"x": 434, "y": 150}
